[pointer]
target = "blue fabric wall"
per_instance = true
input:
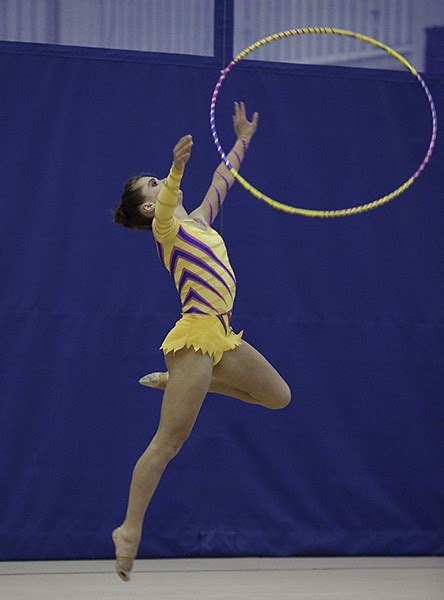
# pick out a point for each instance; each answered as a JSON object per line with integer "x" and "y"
{"x": 348, "y": 310}
{"x": 435, "y": 50}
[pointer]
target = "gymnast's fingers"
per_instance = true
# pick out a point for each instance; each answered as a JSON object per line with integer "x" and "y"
{"x": 184, "y": 141}
{"x": 182, "y": 151}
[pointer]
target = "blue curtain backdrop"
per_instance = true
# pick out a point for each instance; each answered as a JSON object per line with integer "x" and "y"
{"x": 435, "y": 50}
{"x": 348, "y": 310}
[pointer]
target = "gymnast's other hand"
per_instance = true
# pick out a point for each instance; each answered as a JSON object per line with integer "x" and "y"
{"x": 182, "y": 151}
{"x": 244, "y": 128}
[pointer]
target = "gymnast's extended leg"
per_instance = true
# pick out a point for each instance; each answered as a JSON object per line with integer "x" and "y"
{"x": 189, "y": 379}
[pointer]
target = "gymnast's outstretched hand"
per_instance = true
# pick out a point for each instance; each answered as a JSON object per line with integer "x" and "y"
{"x": 244, "y": 128}
{"x": 182, "y": 151}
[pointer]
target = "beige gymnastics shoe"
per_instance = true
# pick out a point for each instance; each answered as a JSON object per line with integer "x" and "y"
{"x": 155, "y": 380}
{"x": 126, "y": 552}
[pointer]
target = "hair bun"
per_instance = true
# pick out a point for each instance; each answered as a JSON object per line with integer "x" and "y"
{"x": 119, "y": 216}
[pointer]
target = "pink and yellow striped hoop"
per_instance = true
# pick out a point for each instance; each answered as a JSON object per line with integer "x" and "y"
{"x": 322, "y": 213}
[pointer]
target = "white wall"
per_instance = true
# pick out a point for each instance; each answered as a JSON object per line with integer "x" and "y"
{"x": 398, "y": 23}
{"x": 186, "y": 26}
{"x": 179, "y": 26}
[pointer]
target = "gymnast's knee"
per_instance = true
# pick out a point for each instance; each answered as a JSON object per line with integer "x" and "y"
{"x": 281, "y": 397}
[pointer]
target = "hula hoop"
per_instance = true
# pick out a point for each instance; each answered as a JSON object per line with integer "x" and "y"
{"x": 321, "y": 213}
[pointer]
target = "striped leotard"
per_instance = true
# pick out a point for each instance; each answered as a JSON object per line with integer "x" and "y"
{"x": 197, "y": 259}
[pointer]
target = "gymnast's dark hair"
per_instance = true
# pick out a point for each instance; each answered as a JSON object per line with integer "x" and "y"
{"x": 127, "y": 212}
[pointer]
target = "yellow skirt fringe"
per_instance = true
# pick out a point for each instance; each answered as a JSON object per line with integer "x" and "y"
{"x": 202, "y": 332}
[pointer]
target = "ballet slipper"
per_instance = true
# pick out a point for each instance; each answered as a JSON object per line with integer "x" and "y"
{"x": 154, "y": 380}
{"x": 126, "y": 550}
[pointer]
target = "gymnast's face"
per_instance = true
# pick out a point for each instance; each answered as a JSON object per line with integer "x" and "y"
{"x": 151, "y": 187}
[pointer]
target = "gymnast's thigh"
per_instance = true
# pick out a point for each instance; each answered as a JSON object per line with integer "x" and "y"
{"x": 245, "y": 368}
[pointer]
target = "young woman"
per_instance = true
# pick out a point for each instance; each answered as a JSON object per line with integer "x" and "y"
{"x": 202, "y": 353}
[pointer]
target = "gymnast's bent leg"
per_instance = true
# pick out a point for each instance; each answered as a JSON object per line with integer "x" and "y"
{"x": 188, "y": 383}
{"x": 244, "y": 374}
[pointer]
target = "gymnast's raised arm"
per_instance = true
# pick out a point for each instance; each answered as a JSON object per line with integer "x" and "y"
{"x": 165, "y": 224}
{"x": 222, "y": 178}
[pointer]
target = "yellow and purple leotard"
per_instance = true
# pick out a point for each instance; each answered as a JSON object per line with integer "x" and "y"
{"x": 198, "y": 262}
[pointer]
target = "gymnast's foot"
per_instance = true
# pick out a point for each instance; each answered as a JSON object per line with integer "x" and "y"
{"x": 155, "y": 380}
{"x": 126, "y": 547}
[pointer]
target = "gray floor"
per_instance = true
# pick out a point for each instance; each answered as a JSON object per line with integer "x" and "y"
{"x": 381, "y": 578}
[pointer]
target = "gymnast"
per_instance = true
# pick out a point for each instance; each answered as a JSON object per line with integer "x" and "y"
{"x": 202, "y": 353}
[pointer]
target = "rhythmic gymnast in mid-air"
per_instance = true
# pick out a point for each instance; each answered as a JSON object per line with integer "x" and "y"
{"x": 202, "y": 353}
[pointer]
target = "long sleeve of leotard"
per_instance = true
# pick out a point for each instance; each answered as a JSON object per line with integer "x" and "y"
{"x": 165, "y": 224}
